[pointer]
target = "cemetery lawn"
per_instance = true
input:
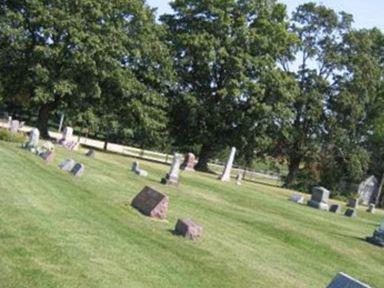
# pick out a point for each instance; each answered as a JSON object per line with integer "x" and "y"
{"x": 60, "y": 231}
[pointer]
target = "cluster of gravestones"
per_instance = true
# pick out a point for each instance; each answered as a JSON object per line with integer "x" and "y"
{"x": 319, "y": 200}
{"x": 46, "y": 151}
{"x": 70, "y": 165}
{"x": 67, "y": 139}
{"x": 155, "y": 205}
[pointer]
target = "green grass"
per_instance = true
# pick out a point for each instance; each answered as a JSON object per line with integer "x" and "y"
{"x": 60, "y": 231}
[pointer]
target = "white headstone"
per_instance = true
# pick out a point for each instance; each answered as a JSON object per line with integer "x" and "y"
{"x": 67, "y": 134}
{"x": 34, "y": 137}
{"x": 15, "y": 125}
{"x": 368, "y": 190}
{"x": 297, "y": 198}
{"x": 226, "y": 176}
{"x": 175, "y": 167}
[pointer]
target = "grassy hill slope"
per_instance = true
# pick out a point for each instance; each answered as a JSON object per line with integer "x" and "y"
{"x": 60, "y": 231}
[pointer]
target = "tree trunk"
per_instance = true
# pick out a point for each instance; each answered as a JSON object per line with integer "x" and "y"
{"x": 377, "y": 200}
{"x": 42, "y": 121}
{"x": 293, "y": 169}
{"x": 204, "y": 156}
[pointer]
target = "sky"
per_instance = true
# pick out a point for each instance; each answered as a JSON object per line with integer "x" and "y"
{"x": 366, "y": 13}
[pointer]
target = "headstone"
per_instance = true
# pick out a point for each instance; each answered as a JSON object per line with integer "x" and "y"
{"x": 371, "y": 208}
{"x": 353, "y": 203}
{"x": 335, "y": 208}
{"x": 189, "y": 229}
{"x": 67, "y": 134}
{"x": 135, "y": 168}
{"x": 368, "y": 190}
{"x": 9, "y": 121}
{"x": 33, "y": 141}
{"x": 67, "y": 165}
{"x": 299, "y": 199}
{"x": 151, "y": 203}
{"x": 48, "y": 156}
{"x": 91, "y": 153}
{"x": 189, "y": 162}
{"x": 15, "y": 125}
{"x": 350, "y": 212}
{"x": 78, "y": 170}
{"x": 226, "y": 176}
{"x": 239, "y": 178}
{"x": 319, "y": 199}
{"x": 172, "y": 178}
{"x": 343, "y": 280}
{"x": 378, "y": 236}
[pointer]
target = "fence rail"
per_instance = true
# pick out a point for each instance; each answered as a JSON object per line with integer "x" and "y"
{"x": 248, "y": 174}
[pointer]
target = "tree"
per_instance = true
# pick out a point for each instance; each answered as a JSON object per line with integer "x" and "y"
{"x": 225, "y": 55}
{"x": 75, "y": 55}
{"x": 319, "y": 31}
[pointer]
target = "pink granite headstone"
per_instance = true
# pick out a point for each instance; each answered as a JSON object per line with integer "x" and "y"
{"x": 189, "y": 229}
{"x": 151, "y": 203}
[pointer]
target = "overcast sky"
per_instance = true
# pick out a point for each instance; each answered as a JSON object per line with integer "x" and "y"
{"x": 367, "y": 13}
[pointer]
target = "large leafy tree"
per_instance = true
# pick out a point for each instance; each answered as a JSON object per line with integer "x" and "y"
{"x": 225, "y": 60}
{"x": 80, "y": 55}
{"x": 315, "y": 65}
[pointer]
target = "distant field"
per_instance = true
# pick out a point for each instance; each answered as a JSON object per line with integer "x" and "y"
{"x": 61, "y": 231}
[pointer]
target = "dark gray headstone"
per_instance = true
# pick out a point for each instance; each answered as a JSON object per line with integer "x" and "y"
{"x": 78, "y": 169}
{"x": 319, "y": 199}
{"x": 335, "y": 208}
{"x": 343, "y": 280}
{"x": 350, "y": 213}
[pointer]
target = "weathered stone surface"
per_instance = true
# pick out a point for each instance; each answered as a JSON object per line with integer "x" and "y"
{"x": 350, "y": 212}
{"x": 353, "y": 203}
{"x": 226, "y": 175}
{"x": 377, "y": 238}
{"x": 78, "y": 170}
{"x": 33, "y": 141}
{"x": 172, "y": 178}
{"x": 151, "y": 203}
{"x": 320, "y": 194}
{"x": 15, "y": 125}
{"x": 136, "y": 168}
{"x": 189, "y": 229}
{"x": 335, "y": 208}
{"x": 343, "y": 280}
{"x": 319, "y": 198}
{"x": 371, "y": 208}
{"x": 67, "y": 165}
{"x": 299, "y": 199}
{"x": 189, "y": 162}
{"x": 67, "y": 134}
{"x": 91, "y": 153}
{"x": 48, "y": 156}
{"x": 368, "y": 190}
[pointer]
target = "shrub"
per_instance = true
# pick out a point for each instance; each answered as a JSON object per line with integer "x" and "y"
{"x": 6, "y": 135}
